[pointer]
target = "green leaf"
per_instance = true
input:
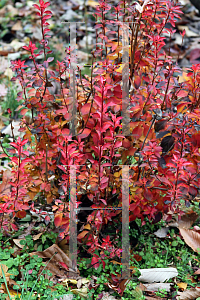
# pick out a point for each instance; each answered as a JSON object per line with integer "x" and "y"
{"x": 43, "y": 239}
{"x": 40, "y": 248}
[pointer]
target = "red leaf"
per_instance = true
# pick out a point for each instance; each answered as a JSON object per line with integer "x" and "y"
{"x": 126, "y": 143}
{"x": 14, "y": 227}
{"x": 85, "y": 109}
{"x": 85, "y": 133}
{"x": 64, "y": 265}
{"x": 137, "y": 132}
{"x": 36, "y": 6}
{"x": 137, "y": 82}
{"x": 148, "y": 194}
{"x": 47, "y": 219}
{"x": 95, "y": 262}
{"x": 182, "y": 93}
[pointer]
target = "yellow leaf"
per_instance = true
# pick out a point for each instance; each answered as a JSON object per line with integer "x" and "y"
{"x": 87, "y": 226}
{"x": 73, "y": 281}
{"x": 182, "y": 285}
{"x": 118, "y": 174}
{"x": 82, "y": 292}
{"x": 92, "y": 3}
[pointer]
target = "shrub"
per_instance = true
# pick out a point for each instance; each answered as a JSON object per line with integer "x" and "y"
{"x": 161, "y": 148}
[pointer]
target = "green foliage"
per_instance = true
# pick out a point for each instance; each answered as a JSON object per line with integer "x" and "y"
{"x": 28, "y": 282}
{"x": 10, "y": 100}
{"x": 133, "y": 291}
{"x": 161, "y": 293}
{"x": 3, "y": 3}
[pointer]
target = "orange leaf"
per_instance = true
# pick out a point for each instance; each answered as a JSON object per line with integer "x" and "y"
{"x": 82, "y": 234}
{"x": 182, "y": 106}
{"x": 23, "y": 111}
{"x": 21, "y": 214}
{"x": 58, "y": 219}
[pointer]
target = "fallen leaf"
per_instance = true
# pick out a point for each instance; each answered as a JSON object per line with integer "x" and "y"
{"x": 81, "y": 292}
{"x": 17, "y": 26}
{"x": 16, "y": 132}
{"x": 4, "y": 269}
{"x": 9, "y": 9}
{"x": 82, "y": 281}
{"x": 16, "y": 45}
{"x": 157, "y": 274}
{"x": 3, "y": 90}
{"x": 182, "y": 285}
{"x": 191, "y": 237}
{"x": 191, "y": 294}
{"x": 187, "y": 220}
{"x": 154, "y": 287}
{"x": 17, "y": 243}
{"x": 162, "y": 232}
{"x": 92, "y": 3}
{"x": 37, "y": 236}
{"x": 188, "y": 32}
{"x": 27, "y": 231}
{"x": 5, "y": 186}
{"x": 107, "y": 296}
{"x": 56, "y": 255}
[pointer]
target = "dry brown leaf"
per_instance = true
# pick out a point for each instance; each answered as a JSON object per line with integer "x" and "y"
{"x": 5, "y": 186}
{"x": 64, "y": 246}
{"x": 188, "y": 32}
{"x": 187, "y": 220}
{"x": 81, "y": 282}
{"x": 197, "y": 272}
{"x": 13, "y": 293}
{"x": 54, "y": 265}
{"x": 115, "y": 262}
{"x": 17, "y": 243}
{"x": 9, "y": 9}
{"x": 191, "y": 294}
{"x": 5, "y": 269}
{"x": 17, "y": 26}
{"x": 191, "y": 238}
{"x": 37, "y": 236}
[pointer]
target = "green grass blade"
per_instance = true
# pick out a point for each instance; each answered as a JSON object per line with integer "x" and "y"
{"x": 4, "y": 277}
{"x": 40, "y": 275}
